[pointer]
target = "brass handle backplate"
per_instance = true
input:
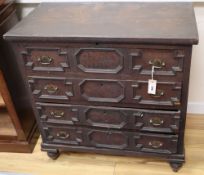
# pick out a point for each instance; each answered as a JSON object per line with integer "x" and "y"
{"x": 50, "y": 88}
{"x": 155, "y": 144}
{"x": 159, "y": 93}
{"x": 57, "y": 114}
{"x": 157, "y": 63}
{"x": 63, "y": 135}
{"x": 45, "y": 60}
{"x": 156, "y": 121}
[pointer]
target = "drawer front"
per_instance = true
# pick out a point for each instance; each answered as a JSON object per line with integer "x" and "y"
{"x": 108, "y": 92}
{"x": 110, "y": 117}
{"x": 105, "y": 60}
{"x": 40, "y": 59}
{"x": 68, "y": 135}
{"x": 51, "y": 89}
{"x": 121, "y": 140}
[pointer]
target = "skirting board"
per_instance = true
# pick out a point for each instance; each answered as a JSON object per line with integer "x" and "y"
{"x": 195, "y": 108}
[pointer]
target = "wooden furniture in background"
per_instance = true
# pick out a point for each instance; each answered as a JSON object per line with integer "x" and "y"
{"x": 7, "y": 112}
{"x": 88, "y": 74}
{"x": 18, "y": 131}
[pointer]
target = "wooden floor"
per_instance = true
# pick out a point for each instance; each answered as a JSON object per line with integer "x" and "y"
{"x": 38, "y": 163}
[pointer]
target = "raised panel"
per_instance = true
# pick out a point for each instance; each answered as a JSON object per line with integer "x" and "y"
{"x": 58, "y": 113}
{"x": 167, "y": 62}
{"x": 108, "y": 139}
{"x": 157, "y": 121}
{"x": 47, "y": 88}
{"x": 45, "y": 59}
{"x": 63, "y": 135}
{"x": 104, "y": 117}
{"x": 99, "y": 60}
{"x": 163, "y": 144}
{"x": 102, "y": 90}
{"x": 112, "y": 139}
{"x": 167, "y": 94}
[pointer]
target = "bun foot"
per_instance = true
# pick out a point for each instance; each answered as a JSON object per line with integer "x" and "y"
{"x": 53, "y": 155}
{"x": 176, "y": 165}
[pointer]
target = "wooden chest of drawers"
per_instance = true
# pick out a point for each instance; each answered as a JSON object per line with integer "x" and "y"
{"x": 88, "y": 68}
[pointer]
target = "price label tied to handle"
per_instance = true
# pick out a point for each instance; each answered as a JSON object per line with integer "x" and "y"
{"x": 152, "y": 84}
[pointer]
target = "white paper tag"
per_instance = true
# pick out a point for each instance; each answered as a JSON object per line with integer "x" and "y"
{"x": 152, "y": 86}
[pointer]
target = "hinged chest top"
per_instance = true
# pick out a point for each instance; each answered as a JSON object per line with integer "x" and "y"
{"x": 165, "y": 23}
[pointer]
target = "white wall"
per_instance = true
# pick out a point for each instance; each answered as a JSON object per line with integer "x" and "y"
{"x": 196, "y": 89}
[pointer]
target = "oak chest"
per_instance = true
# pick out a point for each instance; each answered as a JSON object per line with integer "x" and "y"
{"x": 89, "y": 66}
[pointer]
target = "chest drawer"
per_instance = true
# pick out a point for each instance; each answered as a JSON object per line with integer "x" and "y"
{"x": 104, "y": 60}
{"x": 110, "y": 117}
{"x": 123, "y": 93}
{"x": 121, "y": 140}
{"x": 69, "y": 135}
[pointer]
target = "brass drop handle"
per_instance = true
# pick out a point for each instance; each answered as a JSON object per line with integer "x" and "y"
{"x": 155, "y": 144}
{"x": 57, "y": 114}
{"x": 177, "y": 103}
{"x": 156, "y": 121}
{"x": 157, "y": 63}
{"x": 63, "y": 135}
{"x": 159, "y": 93}
{"x": 45, "y": 60}
{"x": 50, "y": 88}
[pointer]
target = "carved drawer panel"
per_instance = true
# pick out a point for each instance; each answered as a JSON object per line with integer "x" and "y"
{"x": 106, "y": 117}
{"x": 51, "y": 89}
{"x": 167, "y": 93}
{"x": 130, "y": 92}
{"x": 135, "y": 119}
{"x": 45, "y": 59}
{"x": 110, "y": 117}
{"x": 58, "y": 113}
{"x": 130, "y": 59}
{"x": 167, "y": 62}
{"x": 64, "y": 135}
{"x": 104, "y": 60}
{"x": 121, "y": 140}
{"x": 108, "y": 139}
{"x": 157, "y": 121}
{"x": 99, "y": 60}
{"x": 156, "y": 143}
{"x": 104, "y": 92}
